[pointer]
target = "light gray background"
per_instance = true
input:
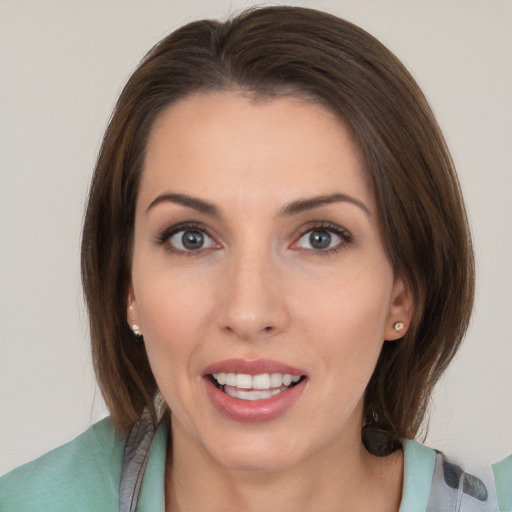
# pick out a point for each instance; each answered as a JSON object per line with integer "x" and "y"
{"x": 62, "y": 66}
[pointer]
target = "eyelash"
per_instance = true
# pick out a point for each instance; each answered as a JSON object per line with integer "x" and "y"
{"x": 164, "y": 236}
{"x": 342, "y": 233}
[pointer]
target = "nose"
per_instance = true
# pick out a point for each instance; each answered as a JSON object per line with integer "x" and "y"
{"x": 253, "y": 303}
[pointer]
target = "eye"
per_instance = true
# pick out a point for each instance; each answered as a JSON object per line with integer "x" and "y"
{"x": 185, "y": 239}
{"x": 323, "y": 238}
{"x": 191, "y": 240}
{"x": 319, "y": 239}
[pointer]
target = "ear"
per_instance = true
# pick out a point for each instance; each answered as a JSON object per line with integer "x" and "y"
{"x": 400, "y": 311}
{"x": 132, "y": 312}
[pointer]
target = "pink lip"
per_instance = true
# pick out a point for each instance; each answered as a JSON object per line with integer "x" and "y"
{"x": 256, "y": 410}
{"x": 256, "y": 367}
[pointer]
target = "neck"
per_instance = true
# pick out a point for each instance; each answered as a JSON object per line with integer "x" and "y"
{"x": 340, "y": 477}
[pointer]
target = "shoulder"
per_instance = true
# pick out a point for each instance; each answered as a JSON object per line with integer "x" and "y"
{"x": 80, "y": 475}
{"x": 434, "y": 482}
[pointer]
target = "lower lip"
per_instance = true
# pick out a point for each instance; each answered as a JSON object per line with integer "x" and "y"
{"x": 254, "y": 411}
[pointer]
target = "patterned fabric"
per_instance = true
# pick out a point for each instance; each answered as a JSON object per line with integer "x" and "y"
{"x": 454, "y": 490}
{"x": 135, "y": 460}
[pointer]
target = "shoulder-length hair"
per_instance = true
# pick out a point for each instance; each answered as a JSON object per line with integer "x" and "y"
{"x": 270, "y": 52}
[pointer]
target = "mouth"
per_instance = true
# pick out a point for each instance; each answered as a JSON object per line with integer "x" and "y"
{"x": 254, "y": 387}
{"x": 254, "y": 391}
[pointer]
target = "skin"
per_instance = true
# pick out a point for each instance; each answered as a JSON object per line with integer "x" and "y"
{"x": 258, "y": 289}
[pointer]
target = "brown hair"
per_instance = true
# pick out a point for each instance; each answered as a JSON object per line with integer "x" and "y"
{"x": 294, "y": 51}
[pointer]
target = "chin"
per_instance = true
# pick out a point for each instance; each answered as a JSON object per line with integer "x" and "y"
{"x": 257, "y": 462}
{"x": 258, "y": 453}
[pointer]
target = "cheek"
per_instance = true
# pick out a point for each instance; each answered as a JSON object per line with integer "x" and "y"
{"x": 172, "y": 304}
{"x": 357, "y": 301}
{"x": 347, "y": 320}
{"x": 170, "y": 319}
{"x": 175, "y": 317}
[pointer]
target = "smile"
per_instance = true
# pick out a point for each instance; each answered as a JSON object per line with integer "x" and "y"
{"x": 254, "y": 391}
{"x": 254, "y": 387}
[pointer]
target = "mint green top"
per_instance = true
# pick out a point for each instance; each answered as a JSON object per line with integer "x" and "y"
{"x": 84, "y": 475}
{"x": 503, "y": 480}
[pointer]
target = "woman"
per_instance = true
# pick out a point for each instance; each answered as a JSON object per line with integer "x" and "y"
{"x": 278, "y": 269}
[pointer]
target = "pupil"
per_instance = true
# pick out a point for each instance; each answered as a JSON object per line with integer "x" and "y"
{"x": 320, "y": 239}
{"x": 192, "y": 240}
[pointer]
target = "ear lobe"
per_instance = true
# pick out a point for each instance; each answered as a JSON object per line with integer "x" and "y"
{"x": 400, "y": 311}
{"x": 132, "y": 313}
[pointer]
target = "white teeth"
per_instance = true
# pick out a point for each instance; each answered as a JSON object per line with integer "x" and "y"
{"x": 243, "y": 381}
{"x": 287, "y": 379}
{"x": 276, "y": 380}
{"x": 251, "y": 395}
{"x": 263, "y": 381}
{"x": 230, "y": 379}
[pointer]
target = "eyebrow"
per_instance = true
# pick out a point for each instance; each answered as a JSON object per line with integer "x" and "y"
{"x": 302, "y": 205}
{"x": 293, "y": 208}
{"x": 185, "y": 200}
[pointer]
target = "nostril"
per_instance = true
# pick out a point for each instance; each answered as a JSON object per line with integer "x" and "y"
{"x": 268, "y": 328}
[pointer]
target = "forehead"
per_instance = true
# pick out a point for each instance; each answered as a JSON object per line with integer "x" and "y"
{"x": 225, "y": 144}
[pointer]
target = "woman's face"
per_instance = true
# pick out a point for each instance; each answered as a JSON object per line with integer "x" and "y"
{"x": 259, "y": 279}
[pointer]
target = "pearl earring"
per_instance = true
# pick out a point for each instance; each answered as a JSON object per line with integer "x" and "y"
{"x": 135, "y": 328}
{"x": 136, "y": 332}
{"x": 398, "y": 326}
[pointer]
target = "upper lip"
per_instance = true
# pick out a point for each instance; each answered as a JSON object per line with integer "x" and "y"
{"x": 255, "y": 367}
